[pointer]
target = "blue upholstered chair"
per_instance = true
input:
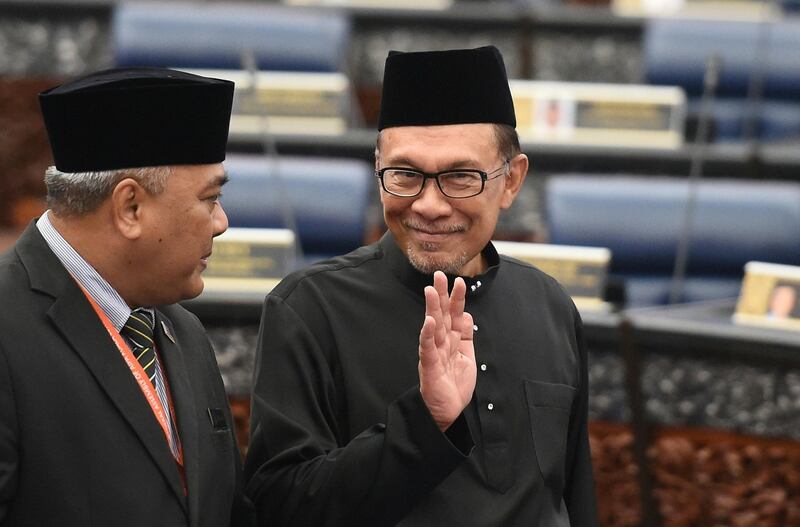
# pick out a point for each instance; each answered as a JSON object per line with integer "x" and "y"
{"x": 640, "y": 220}
{"x": 215, "y": 35}
{"x": 326, "y": 199}
{"x": 676, "y": 53}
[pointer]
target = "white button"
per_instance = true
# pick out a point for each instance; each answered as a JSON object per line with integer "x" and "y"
{"x": 490, "y": 406}
{"x": 483, "y": 367}
{"x": 475, "y": 327}
{"x": 473, "y": 288}
{"x": 479, "y": 283}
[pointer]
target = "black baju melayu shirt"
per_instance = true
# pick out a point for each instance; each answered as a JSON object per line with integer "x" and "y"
{"x": 341, "y": 436}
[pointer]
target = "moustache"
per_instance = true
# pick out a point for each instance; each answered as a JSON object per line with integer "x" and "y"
{"x": 438, "y": 228}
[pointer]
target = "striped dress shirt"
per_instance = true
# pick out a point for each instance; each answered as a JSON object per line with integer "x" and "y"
{"x": 115, "y": 308}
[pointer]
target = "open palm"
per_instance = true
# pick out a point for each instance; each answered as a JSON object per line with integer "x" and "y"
{"x": 447, "y": 370}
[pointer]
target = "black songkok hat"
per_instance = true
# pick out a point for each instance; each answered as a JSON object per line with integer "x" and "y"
{"x": 137, "y": 117}
{"x": 446, "y": 87}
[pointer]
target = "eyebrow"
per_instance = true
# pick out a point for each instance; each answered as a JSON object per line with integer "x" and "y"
{"x": 462, "y": 163}
{"x": 218, "y": 181}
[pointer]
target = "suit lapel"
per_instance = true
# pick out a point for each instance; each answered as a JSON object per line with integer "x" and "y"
{"x": 75, "y": 319}
{"x": 183, "y": 400}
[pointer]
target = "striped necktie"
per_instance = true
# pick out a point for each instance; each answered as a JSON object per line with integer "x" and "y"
{"x": 139, "y": 330}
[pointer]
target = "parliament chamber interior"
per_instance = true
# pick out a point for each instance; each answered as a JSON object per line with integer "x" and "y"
{"x": 664, "y": 193}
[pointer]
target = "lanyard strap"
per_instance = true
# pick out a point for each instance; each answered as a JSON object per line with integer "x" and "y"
{"x": 140, "y": 376}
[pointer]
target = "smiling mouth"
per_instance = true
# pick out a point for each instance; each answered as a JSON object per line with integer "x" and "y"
{"x": 434, "y": 229}
{"x": 442, "y": 231}
{"x": 431, "y": 240}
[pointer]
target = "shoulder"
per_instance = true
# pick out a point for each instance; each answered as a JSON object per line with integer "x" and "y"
{"x": 532, "y": 281}
{"x": 530, "y": 274}
{"x": 10, "y": 266}
{"x": 329, "y": 273}
{"x": 14, "y": 284}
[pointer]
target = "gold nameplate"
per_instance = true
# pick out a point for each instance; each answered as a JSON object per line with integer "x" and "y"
{"x": 717, "y": 10}
{"x": 249, "y": 261}
{"x": 770, "y": 296}
{"x": 433, "y": 5}
{"x": 281, "y": 102}
{"x": 582, "y": 271}
{"x": 599, "y": 114}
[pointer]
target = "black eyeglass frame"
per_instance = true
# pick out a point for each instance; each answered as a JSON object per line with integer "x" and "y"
{"x": 435, "y": 176}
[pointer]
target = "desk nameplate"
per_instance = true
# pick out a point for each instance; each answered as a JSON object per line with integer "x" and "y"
{"x": 246, "y": 260}
{"x": 582, "y": 271}
{"x": 770, "y": 296}
{"x": 599, "y": 114}
{"x": 286, "y": 102}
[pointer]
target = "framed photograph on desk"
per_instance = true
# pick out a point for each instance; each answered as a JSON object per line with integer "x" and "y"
{"x": 770, "y": 296}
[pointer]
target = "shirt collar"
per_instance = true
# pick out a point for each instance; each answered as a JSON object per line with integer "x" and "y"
{"x": 112, "y": 304}
{"x": 416, "y": 281}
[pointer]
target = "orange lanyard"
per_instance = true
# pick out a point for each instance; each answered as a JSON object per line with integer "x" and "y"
{"x": 139, "y": 375}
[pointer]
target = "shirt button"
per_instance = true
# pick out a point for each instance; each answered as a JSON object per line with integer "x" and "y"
{"x": 490, "y": 406}
{"x": 473, "y": 288}
{"x": 478, "y": 283}
{"x": 475, "y": 327}
{"x": 483, "y": 367}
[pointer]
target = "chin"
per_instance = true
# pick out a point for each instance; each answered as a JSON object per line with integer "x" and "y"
{"x": 193, "y": 291}
{"x": 427, "y": 262}
{"x": 188, "y": 289}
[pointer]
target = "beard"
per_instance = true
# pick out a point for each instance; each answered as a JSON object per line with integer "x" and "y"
{"x": 427, "y": 263}
{"x": 424, "y": 258}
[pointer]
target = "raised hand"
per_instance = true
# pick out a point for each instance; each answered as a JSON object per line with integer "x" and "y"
{"x": 447, "y": 370}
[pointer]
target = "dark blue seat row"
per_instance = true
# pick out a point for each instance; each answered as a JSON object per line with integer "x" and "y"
{"x": 216, "y": 35}
{"x": 325, "y": 198}
{"x": 676, "y": 53}
{"x": 640, "y": 220}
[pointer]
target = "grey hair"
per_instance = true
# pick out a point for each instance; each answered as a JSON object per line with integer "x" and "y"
{"x": 78, "y": 193}
{"x": 507, "y": 141}
{"x": 504, "y": 135}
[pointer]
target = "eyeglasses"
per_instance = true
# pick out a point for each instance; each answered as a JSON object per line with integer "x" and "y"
{"x": 461, "y": 183}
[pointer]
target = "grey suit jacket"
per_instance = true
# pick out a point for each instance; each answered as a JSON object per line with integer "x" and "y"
{"x": 78, "y": 442}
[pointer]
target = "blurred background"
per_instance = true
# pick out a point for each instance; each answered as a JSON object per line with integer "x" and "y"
{"x": 666, "y": 131}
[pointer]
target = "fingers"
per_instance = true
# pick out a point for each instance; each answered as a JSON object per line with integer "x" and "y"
{"x": 427, "y": 346}
{"x": 433, "y": 309}
{"x": 466, "y": 346}
{"x": 447, "y": 310}
{"x": 457, "y": 302}
{"x": 440, "y": 284}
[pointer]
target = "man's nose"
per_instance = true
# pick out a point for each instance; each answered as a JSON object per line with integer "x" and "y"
{"x": 220, "y": 220}
{"x": 431, "y": 203}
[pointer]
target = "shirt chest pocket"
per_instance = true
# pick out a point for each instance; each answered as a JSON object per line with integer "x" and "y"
{"x": 549, "y": 409}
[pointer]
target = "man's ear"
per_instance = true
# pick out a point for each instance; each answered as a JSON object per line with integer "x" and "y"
{"x": 517, "y": 171}
{"x": 127, "y": 199}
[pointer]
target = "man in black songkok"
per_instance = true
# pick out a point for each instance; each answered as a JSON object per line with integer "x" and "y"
{"x": 112, "y": 409}
{"x": 426, "y": 380}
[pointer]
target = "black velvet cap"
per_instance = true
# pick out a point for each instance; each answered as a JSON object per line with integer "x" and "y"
{"x": 446, "y": 87}
{"x": 137, "y": 117}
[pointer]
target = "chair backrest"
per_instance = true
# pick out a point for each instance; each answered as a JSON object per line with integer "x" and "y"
{"x": 776, "y": 120}
{"x": 641, "y": 219}
{"x": 325, "y": 198}
{"x": 676, "y": 53}
{"x": 215, "y": 35}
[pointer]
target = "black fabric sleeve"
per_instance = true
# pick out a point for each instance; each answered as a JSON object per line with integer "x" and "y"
{"x": 302, "y": 469}
{"x": 9, "y": 457}
{"x": 579, "y": 495}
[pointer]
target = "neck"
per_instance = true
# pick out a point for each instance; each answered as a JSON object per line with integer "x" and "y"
{"x": 476, "y": 266}
{"x": 96, "y": 243}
